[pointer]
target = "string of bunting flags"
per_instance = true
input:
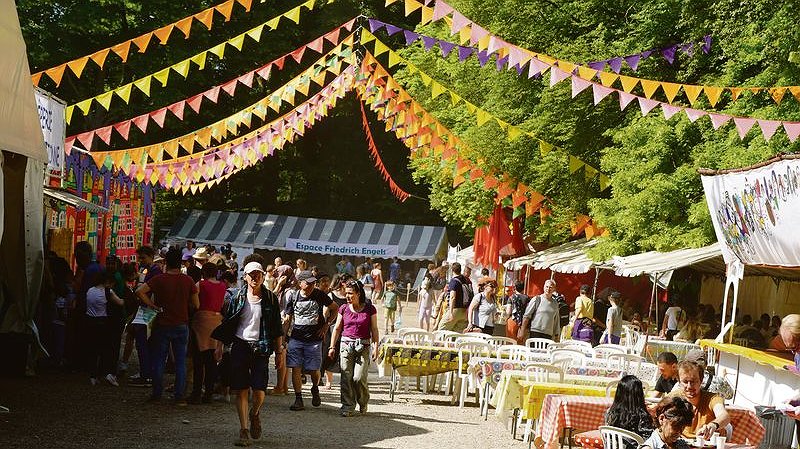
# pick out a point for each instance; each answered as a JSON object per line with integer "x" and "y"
{"x": 518, "y": 57}
{"x": 423, "y": 134}
{"x": 482, "y": 116}
{"x": 396, "y": 190}
{"x": 142, "y": 43}
{"x": 222, "y": 129}
{"x": 198, "y": 60}
{"x": 251, "y": 147}
{"x": 582, "y": 78}
{"x": 195, "y": 102}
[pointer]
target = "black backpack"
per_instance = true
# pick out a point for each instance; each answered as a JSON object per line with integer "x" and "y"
{"x": 563, "y": 309}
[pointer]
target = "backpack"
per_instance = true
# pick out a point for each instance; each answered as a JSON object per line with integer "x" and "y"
{"x": 583, "y": 330}
{"x": 563, "y": 309}
{"x": 466, "y": 293}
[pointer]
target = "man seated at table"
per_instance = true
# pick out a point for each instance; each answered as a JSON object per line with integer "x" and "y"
{"x": 710, "y": 414}
{"x": 668, "y": 369}
{"x": 710, "y": 381}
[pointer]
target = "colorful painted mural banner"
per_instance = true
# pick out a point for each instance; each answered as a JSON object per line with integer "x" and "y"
{"x": 755, "y": 212}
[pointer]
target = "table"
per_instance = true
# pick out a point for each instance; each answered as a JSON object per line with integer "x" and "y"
{"x": 488, "y": 370}
{"x": 594, "y": 440}
{"x": 415, "y": 360}
{"x": 586, "y": 413}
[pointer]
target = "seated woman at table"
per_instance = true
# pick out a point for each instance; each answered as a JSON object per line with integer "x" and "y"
{"x": 482, "y": 310}
{"x": 628, "y": 411}
{"x": 710, "y": 414}
{"x": 672, "y": 415}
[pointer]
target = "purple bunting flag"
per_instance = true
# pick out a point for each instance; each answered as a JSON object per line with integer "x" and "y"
{"x": 483, "y": 57}
{"x": 501, "y": 62}
{"x": 410, "y": 36}
{"x": 429, "y": 42}
{"x": 615, "y": 64}
{"x": 374, "y": 24}
{"x": 706, "y": 44}
{"x": 464, "y": 53}
{"x": 598, "y": 65}
{"x": 669, "y": 53}
{"x": 632, "y": 61}
{"x": 446, "y": 47}
{"x": 391, "y": 29}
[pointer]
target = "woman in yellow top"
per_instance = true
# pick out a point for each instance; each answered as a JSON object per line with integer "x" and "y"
{"x": 709, "y": 408}
{"x": 584, "y": 306}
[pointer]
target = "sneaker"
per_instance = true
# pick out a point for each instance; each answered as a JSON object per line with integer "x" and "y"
{"x": 345, "y": 413}
{"x": 362, "y": 410}
{"x": 316, "y": 401}
{"x": 93, "y": 380}
{"x": 255, "y": 426}
{"x": 122, "y": 366}
{"x": 112, "y": 380}
{"x": 140, "y": 382}
{"x": 298, "y": 405}
{"x": 244, "y": 438}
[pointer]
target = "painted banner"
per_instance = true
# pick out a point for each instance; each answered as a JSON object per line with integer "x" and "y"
{"x": 344, "y": 249}
{"x": 756, "y": 211}
{"x": 52, "y": 120}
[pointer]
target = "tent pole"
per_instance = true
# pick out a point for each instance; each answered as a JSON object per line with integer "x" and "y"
{"x": 528, "y": 278}
{"x": 596, "y": 278}
{"x": 733, "y": 309}
{"x": 653, "y": 305}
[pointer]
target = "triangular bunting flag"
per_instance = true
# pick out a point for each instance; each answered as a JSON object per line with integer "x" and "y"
{"x": 163, "y": 33}
{"x": 143, "y": 85}
{"x": 579, "y": 85}
{"x": 692, "y": 92}
{"x": 177, "y": 109}
{"x": 229, "y": 87}
{"x": 718, "y": 120}
{"x": 628, "y": 83}
{"x": 670, "y": 110}
{"x": 185, "y": 25}
{"x": 85, "y": 105}
{"x": 141, "y": 122}
{"x": 792, "y": 130}
{"x": 124, "y": 92}
{"x": 735, "y": 92}
{"x": 104, "y": 99}
{"x": 713, "y": 94}
{"x": 625, "y": 99}
{"x": 142, "y": 42}
{"x": 56, "y": 73}
{"x": 122, "y": 50}
{"x": 158, "y": 116}
{"x": 647, "y": 105}
{"x": 671, "y": 90}
{"x": 205, "y": 17}
{"x": 200, "y": 60}
{"x": 649, "y": 87}
{"x": 123, "y": 128}
{"x": 218, "y": 50}
{"x": 575, "y": 164}
{"x": 182, "y": 68}
{"x": 293, "y": 15}
{"x": 104, "y": 134}
{"x": 162, "y": 76}
{"x": 777, "y": 94}
{"x": 768, "y": 128}
{"x": 273, "y": 23}
{"x": 99, "y": 57}
{"x": 743, "y": 125}
{"x": 77, "y": 66}
{"x": 694, "y": 114}
{"x": 608, "y": 78}
{"x": 226, "y": 9}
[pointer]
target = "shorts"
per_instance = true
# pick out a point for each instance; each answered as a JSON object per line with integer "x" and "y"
{"x": 248, "y": 369}
{"x": 304, "y": 354}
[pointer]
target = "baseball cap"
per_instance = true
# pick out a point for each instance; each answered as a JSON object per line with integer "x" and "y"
{"x": 696, "y": 356}
{"x": 253, "y": 266}
{"x": 306, "y": 276}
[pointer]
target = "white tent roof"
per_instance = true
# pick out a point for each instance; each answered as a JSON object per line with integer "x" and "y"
{"x": 654, "y": 262}
{"x": 20, "y": 130}
{"x": 569, "y": 258}
{"x": 76, "y": 201}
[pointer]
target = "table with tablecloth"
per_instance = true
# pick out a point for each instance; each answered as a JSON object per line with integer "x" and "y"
{"x": 587, "y": 413}
{"x": 487, "y": 371}
{"x": 416, "y": 360}
{"x": 593, "y": 439}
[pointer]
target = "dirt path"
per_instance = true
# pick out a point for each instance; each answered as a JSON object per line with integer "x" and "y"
{"x": 64, "y": 411}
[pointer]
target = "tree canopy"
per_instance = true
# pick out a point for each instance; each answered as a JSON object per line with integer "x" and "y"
{"x": 655, "y": 201}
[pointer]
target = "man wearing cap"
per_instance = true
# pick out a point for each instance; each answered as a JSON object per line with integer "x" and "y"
{"x": 254, "y": 319}
{"x": 311, "y": 312}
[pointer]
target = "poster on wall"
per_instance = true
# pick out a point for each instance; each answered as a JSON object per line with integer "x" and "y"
{"x": 53, "y": 123}
{"x": 755, "y": 212}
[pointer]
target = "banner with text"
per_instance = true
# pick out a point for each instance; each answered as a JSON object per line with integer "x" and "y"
{"x": 755, "y": 213}
{"x": 52, "y": 120}
{"x": 342, "y": 249}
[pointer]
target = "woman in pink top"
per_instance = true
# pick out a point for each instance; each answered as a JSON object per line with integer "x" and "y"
{"x": 357, "y": 325}
{"x": 207, "y": 317}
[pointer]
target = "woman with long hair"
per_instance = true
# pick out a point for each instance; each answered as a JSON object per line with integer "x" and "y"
{"x": 331, "y": 364}
{"x": 671, "y": 415}
{"x": 357, "y": 325}
{"x": 208, "y": 316}
{"x": 628, "y": 411}
{"x": 482, "y": 310}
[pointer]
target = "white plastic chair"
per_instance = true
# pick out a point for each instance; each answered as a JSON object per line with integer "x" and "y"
{"x": 417, "y": 338}
{"x": 540, "y": 373}
{"x": 468, "y": 349}
{"x": 628, "y": 363}
{"x": 576, "y": 345}
{"x": 575, "y": 357}
{"x": 610, "y": 386}
{"x": 441, "y": 335}
{"x": 540, "y": 344}
{"x": 648, "y": 373}
{"x": 404, "y": 330}
{"x": 498, "y": 341}
{"x": 513, "y": 352}
{"x": 614, "y": 437}
{"x": 604, "y": 350}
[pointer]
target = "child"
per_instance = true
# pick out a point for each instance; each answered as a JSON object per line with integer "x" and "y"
{"x": 425, "y": 301}
{"x": 672, "y": 414}
{"x": 391, "y": 304}
{"x": 614, "y": 319}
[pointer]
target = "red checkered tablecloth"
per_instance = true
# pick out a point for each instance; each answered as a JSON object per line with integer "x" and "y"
{"x": 586, "y": 413}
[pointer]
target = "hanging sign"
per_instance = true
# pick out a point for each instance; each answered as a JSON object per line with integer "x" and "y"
{"x": 343, "y": 249}
{"x": 52, "y": 121}
{"x": 755, "y": 213}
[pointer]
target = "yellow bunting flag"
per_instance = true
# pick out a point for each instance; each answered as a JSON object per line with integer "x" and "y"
{"x": 575, "y": 164}
{"x": 649, "y": 87}
{"x": 85, "y": 105}
{"x": 124, "y": 92}
{"x": 293, "y": 15}
{"x": 608, "y": 78}
{"x": 105, "y": 99}
{"x": 671, "y": 90}
{"x": 713, "y": 94}
{"x": 237, "y": 42}
{"x": 692, "y": 92}
{"x": 162, "y": 76}
{"x": 255, "y": 33}
{"x": 411, "y": 6}
{"x": 218, "y": 50}
{"x": 628, "y": 83}
{"x": 200, "y": 60}
{"x": 143, "y": 85}
{"x": 182, "y": 68}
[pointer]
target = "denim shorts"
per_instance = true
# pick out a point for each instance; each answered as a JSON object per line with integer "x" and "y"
{"x": 248, "y": 369}
{"x": 304, "y": 354}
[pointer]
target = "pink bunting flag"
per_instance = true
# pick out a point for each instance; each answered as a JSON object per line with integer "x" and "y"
{"x": 792, "y": 130}
{"x": 647, "y": 105}
{"x": 177, "y": 109}
{"x": 68, "y": 143}
{"x": 768, "y": 128}
{"x": 743, "y": 125}
{"x": 557, "y": 75}
{"x": 86, "y": 139}
{"x": 141, "y": 122}
{"x": 316, "y": 45}
{"x": 264, "y": 72}
{"x": 718, "y": 120}
{"x": 247, "y": 79}
{"x": 298, "y": 54}
{"x": 159, "y": 116}
{"x": 459, "y": 22}
{"x": 212, "y": 94}
{"x": 194, "y": 102}
{"x": 440, "y": 10}
{"x": 669, "y": 110}
{"x": 123, "y": 128}
{"x": 694, "y": 114}
{"x": 515, "y": 56}
{"x": 536, "y": 67}
{"x": 494, "y": 44}
{"x": 104, "y": 134}
{"x": 625, "y": 99}
{"x": 579, "y": 85}
{"x": 599, "y": 92}
{"x": 230, "y": 87}
{"x": 333, "y": 36}
{"x": 476, "y": 34}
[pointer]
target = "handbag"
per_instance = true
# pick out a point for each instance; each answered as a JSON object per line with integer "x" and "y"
{"x": 226, "y": 331}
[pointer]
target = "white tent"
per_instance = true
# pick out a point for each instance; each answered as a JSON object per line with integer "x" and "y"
{"x": 22, "y": 159}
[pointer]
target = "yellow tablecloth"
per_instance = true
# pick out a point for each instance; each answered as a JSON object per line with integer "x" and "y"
{"x": 416, "y": 360}
{"x": 755, "y": 355}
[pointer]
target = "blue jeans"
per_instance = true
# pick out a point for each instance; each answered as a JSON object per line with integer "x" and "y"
{"x": 176, "y": 337}
{"x": 143, "y": 350}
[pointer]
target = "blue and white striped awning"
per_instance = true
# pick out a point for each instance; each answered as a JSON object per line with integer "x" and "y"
{"x": 268, "y": 231}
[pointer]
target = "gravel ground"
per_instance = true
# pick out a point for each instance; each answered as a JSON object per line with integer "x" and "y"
{"x": 63, "y": 410}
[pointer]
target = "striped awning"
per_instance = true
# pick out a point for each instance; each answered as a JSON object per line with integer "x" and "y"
{"x": 268, "y": 231}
